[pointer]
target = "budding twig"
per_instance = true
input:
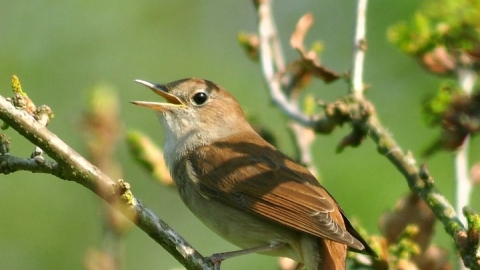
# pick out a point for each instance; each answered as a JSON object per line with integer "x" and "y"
{"x": 74, "y": 167}
{"x": 466, "y": 78}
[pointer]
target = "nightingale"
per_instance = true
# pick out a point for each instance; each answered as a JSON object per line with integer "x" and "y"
{"x": 241, "y": 187}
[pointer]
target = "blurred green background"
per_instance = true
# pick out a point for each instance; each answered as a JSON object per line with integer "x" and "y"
{"x": 61, "y": 49}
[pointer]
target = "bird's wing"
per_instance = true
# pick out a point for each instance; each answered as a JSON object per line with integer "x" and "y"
{"x": 250, "y": 174}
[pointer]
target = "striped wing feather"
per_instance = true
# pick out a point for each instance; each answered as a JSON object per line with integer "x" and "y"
{"x": 248, "y": 173}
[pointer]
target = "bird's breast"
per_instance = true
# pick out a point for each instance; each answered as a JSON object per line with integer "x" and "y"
{"x": 230, "y": 222}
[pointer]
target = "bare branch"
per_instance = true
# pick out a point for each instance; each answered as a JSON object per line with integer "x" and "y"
{"x": 272, "y": 61}
{"x": 359, "y": 47}
{"x": 76, "y": 168}
{"x": 466, "y": 77}
{"x": 418, "y": 180}
{"x": 421, "y": 182}
{"x": 11, "y": 164}
{"x": 274, "y": 71}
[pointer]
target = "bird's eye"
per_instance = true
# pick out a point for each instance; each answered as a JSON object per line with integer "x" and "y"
{"x": 200, "y": 98}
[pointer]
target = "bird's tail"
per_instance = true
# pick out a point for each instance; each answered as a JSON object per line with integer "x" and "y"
{"x": 322, "y": 254}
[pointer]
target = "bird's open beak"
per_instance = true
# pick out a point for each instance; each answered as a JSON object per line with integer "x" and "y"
{"x": 172, "y": 100}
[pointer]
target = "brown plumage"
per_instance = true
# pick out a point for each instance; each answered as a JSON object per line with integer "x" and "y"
{"x": 243, "y": 188}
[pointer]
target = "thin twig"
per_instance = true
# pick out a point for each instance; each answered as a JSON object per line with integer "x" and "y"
{"x": 466, "y": 78}
{"x": 361, "y": 114}
{"x": 11, "y": 164}
{"x": 422, "y": 183}
{"x": 359, "y": 47}
{"x": 418, "y": 181}
{"x": 76, "y": 168}
{"x": 304, "y": 138}
{"x": 273, "y": 64}
{"x": 271, "y": 60}
{"x": 463, "y": 184}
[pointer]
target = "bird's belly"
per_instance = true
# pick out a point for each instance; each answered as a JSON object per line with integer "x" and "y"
{"x": 241, "y": 228}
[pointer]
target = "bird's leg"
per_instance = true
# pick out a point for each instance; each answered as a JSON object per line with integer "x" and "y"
{"x": 217, "y": 258}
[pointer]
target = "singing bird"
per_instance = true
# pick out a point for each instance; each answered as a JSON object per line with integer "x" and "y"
{"x": 241, "y": 187}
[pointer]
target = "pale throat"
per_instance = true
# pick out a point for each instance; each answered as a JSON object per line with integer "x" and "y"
{"x": 186, "y": 132}
{"x": 181, "y": 137}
